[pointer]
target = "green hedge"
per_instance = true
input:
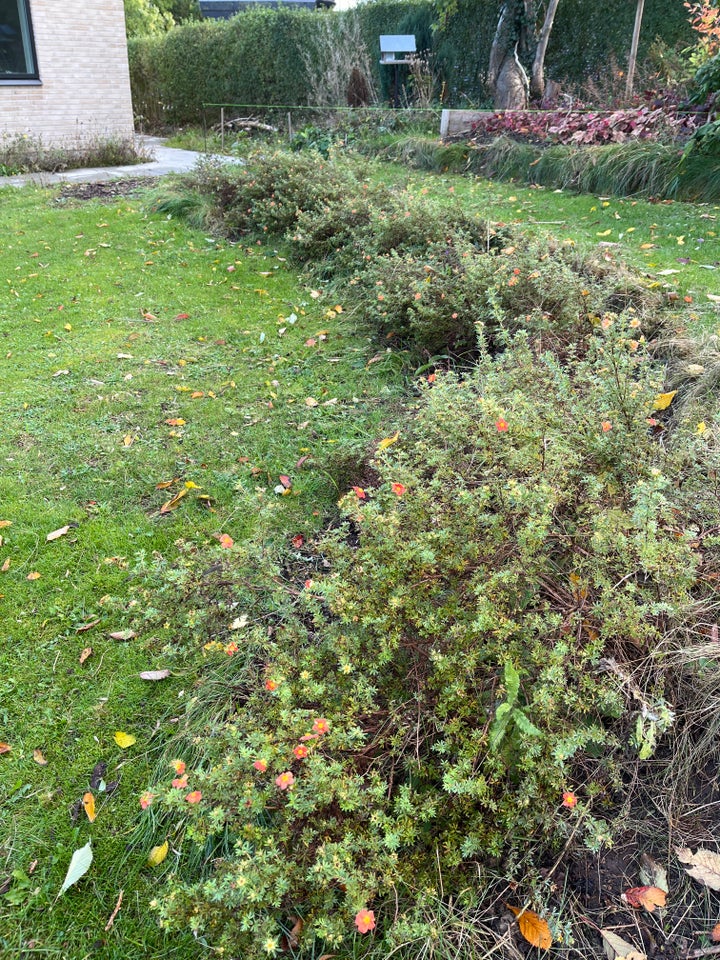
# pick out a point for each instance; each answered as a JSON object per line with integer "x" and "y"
{"x": 257, "y": 56}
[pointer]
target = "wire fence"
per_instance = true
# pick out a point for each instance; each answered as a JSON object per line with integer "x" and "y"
{"x": 286, "y": 116}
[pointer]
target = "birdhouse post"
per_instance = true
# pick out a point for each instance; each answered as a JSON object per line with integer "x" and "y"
{"x": 394, "y": 51}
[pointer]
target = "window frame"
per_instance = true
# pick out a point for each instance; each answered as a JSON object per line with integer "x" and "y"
{"x": 27, "y": 78}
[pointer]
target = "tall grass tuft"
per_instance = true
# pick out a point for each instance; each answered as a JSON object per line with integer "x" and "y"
{"x": 640, "y": 168}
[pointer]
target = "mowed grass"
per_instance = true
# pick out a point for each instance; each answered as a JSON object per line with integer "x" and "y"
{"x": 115, "y": 327}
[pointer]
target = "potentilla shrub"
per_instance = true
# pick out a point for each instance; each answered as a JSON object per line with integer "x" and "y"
{"x": 348, "y": 234}
{"x": 270, "y": 191}
{"x": 437, "y": 300}
{"x": 420, "y": 709}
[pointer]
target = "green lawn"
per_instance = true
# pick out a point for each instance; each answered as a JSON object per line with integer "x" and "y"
{"x": 114, "y": 325}
{"x": 137, "y": 352}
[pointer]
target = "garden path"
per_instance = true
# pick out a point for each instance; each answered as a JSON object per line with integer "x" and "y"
{"x": 166, "y": 160}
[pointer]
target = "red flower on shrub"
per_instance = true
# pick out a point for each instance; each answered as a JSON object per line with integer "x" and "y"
{"x": 321, "y": 725}
{"x": 569, "y": 799}
{"x": 260, "y": 765}
{"x": 359, "y": 493}
{"x": 194, "y": 796}
{"x": 180, "y": 782}
{"x": 270, "y": 685}
{"x": 398, "y": 489}
{"x": 501, "y": 425}
{"x": 365, "y": 921}
{"x": 285, "y": 780}
{"x": 606, "y": 426}
{"x": 300, "y": 752}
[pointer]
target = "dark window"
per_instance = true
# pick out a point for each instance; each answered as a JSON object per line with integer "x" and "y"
{"x": 17, "y": 49}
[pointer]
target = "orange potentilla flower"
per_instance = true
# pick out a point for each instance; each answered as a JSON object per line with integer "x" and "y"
{"x": 270, "y": 685}
{"x": 180, "y": 782}
{"x": 231, "y": 648}
{"x": 321, "y": 726}
{"x": 501, "y": 425}
{"x": 300, "y": 752}
{"x": 194, "y": 797}
{"x": 569, "y": 799}
{"x": 359, "y": 493}
{"x": 606, "y": 425}
{"x": 146, "y": 799}
{"x": 308, "y": 584}
{"x": 260, "y": 765}
{"x": 365, "y": 921}
{"x": 398, "y": 489}
{"x": 285, "y": 780}
{"x": 178, "y": 766}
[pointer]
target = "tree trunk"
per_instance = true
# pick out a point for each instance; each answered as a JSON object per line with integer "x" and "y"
{"x": 506, "y": 77}
{"x": 537, "y": 82}
{"x": 634, "y": 49}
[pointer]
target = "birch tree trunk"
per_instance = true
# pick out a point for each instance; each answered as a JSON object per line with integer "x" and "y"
{"x": 634, "y": 49}
{"x": 537, "y": 81}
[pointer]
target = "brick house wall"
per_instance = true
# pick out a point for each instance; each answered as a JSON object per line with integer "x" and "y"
{"x": 84, "y": 88}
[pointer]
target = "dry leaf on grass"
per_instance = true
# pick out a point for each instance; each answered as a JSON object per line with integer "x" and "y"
{"x": 154, "y": 674}
{"x": 172, "y": 504}
{"x": 703, "y": 865}
{"x": 88, "y": 802}
{"x": 124, "y": 740}
{"x": 618, "y": 949}
{"x": 158, "y": 854}
{"x": 533, "y": 928}
{"x": 652, "y": 874}
{"x": 647, "y": 897}
{"x": 56, "y": 534}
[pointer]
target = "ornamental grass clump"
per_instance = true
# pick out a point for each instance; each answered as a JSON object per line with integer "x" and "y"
{"x": 459, "y": 663}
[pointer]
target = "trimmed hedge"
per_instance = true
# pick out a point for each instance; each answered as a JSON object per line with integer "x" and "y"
{"x": 257, "y": 56}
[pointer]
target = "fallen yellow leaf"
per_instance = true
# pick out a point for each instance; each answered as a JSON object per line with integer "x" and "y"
{"x": 663, "y": 400}
{"x": 171, "y": 504}
{"x": 158, "y": 854}
{"x": 389, "y": 441}
{"x": 39, "y": 758}
{"x": 124, "y": 740}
